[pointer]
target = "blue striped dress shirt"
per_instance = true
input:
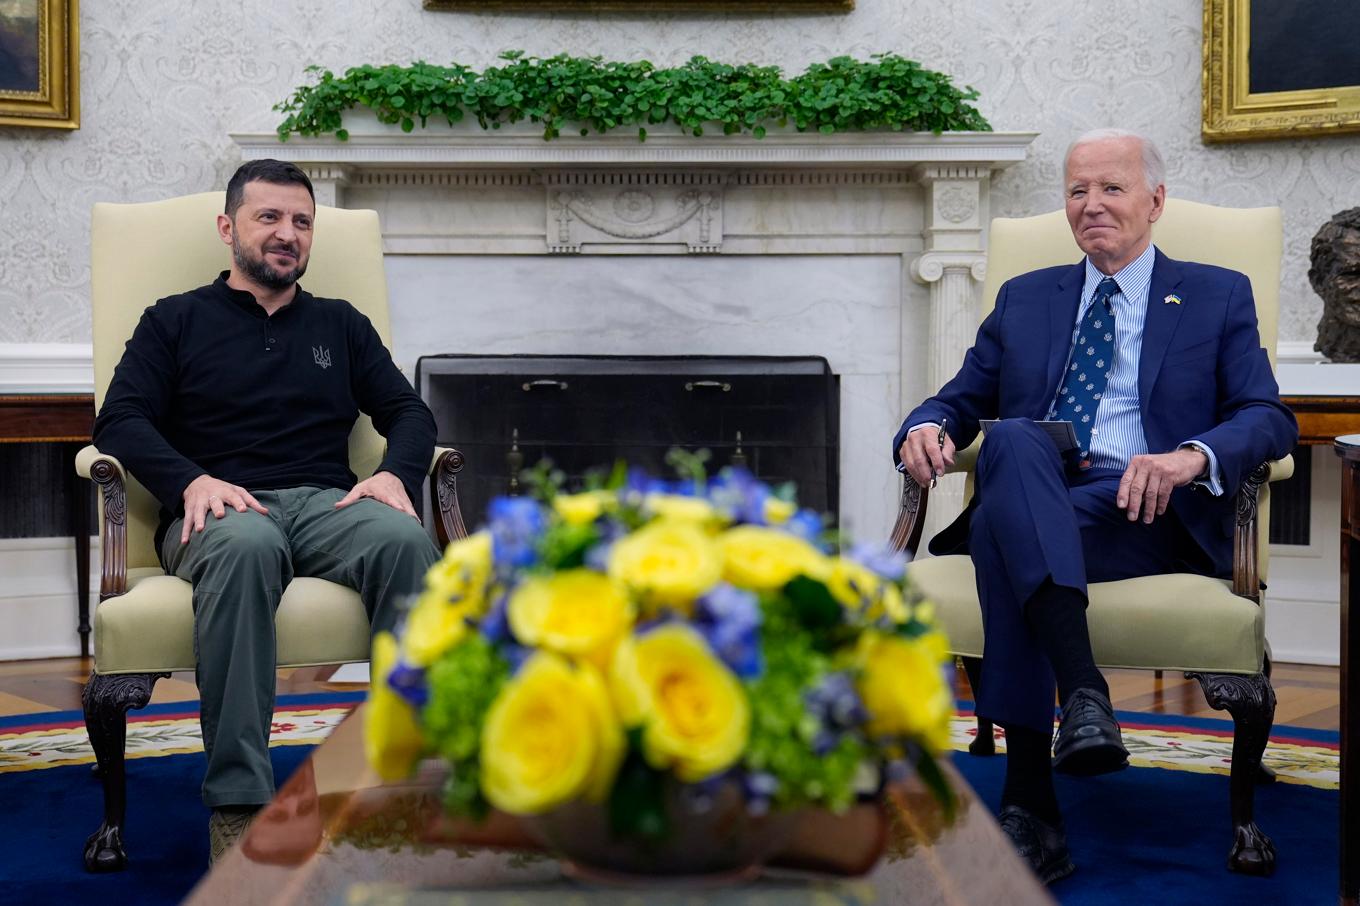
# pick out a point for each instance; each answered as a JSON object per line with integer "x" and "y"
{"x": 1117, "y": 435}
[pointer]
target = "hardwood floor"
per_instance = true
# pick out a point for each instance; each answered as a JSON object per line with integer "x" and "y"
{"x": 1308, "y": 696}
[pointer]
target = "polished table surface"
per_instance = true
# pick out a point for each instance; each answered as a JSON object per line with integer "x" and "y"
{"x": 335, "y": 834}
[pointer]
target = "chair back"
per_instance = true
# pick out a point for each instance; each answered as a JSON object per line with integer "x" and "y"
{"x": 144, "y": 252}
{"x": 1249, "y": 240}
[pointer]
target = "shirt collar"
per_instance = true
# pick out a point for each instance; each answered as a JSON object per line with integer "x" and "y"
{"x": 1134, "y": 278}
{"x": 245, "y": 300}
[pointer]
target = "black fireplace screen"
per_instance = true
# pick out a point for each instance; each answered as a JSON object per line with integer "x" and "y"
{"x": 779, "y": 416}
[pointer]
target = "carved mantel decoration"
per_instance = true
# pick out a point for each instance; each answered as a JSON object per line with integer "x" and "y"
{"x": 920, "y": 198}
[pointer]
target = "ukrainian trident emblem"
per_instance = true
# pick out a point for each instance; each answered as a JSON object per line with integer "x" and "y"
{"x": 322, "y": 356}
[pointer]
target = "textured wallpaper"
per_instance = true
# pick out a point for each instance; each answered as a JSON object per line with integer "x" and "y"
{"x": 164, "y": 81}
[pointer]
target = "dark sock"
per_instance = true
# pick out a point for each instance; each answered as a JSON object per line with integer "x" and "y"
{"x": 1029, "y": 774}
{"x": 1057, "y": 616}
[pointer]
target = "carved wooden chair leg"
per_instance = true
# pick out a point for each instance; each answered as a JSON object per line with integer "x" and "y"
{"x": 107, "y": 700}
{"x": 985, "y": 742}
{"x": 1251, "y": 702}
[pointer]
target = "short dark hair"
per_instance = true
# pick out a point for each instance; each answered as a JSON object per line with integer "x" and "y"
{"x": 278, "y": 172}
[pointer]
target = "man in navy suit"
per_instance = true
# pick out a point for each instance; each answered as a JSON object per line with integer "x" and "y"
{"x": 1159, "y": 366}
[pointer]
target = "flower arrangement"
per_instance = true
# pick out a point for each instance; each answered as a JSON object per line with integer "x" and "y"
{"x": 611, "y": 646}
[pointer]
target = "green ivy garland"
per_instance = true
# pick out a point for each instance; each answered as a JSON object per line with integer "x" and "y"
{"x": 840, "y": 95}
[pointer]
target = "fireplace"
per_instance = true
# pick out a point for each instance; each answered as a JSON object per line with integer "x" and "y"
{"x": 778, "y": 416}
{"x": 860, "y": 249}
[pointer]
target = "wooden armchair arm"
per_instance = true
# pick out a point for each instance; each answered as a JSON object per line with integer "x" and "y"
{"x": 1246, "y": 533}
{"x": 911, "y": 516}
{"x": 108, "y": 473}
{"x": 448, "y": 517}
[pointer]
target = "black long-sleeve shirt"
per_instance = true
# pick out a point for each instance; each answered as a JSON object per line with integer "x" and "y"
{"x": 209, "y": 383}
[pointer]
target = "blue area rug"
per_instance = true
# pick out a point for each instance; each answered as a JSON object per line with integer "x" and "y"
{"x": 1144, "y": 835}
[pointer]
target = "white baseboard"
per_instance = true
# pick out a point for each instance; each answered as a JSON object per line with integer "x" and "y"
{"x": 1303, "y": 632}
{"x": 46, "y": 368}
{"x": 38, "y": 614}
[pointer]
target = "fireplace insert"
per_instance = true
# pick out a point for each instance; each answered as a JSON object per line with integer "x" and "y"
{"x": 778, "y": 416}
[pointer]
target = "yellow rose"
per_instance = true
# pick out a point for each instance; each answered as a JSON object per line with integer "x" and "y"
{"x": 865, "y": 591}
{"x": 680, "y": 508}
{"x": 550, "y": 736}
{"x": 762, "y": 559}
{"x": 903, "y": 687}
{"x": 392, "y": 740}
{"x": 692, "y": 708}
{"x": 462, "y": 574}
{"x": 667, "y": 563}
{"x": 433, "y": 627}
{"x": 576, "y": 612}
{"x": 582, "y": 509}
{"x": 778, "y": 512}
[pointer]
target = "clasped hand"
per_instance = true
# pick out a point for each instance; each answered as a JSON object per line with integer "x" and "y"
{"x": 923, "y": 456}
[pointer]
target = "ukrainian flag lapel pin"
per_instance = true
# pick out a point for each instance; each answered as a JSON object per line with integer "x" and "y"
{"x": 1172, "y": 298}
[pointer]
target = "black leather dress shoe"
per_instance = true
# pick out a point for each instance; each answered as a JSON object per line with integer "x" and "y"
{"x": 1089, "y": 741}
{"x": 1040, "y": 844}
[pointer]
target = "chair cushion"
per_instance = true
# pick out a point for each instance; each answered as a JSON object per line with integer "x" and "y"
{"x": 151, "y": 628}
{"x": 1173, "y": 622}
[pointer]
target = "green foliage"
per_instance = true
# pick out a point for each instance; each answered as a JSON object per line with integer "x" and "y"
{"x": 463, "y": 683}
{"x": 840, "y": 95}
{"x": 782, "y": 730}
{"x": 637, "y": 806}
{"x": 565, "y": 546}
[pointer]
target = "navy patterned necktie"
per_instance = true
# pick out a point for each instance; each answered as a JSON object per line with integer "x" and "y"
{"x": 1090, "y": 367}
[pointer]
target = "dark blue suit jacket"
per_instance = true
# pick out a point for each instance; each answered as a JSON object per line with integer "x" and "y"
{"x": 1202, "y": 376}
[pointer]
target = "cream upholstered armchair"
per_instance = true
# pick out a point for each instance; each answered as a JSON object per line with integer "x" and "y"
{"x": 1209, "y": 628}
{"x": 143, "y": 625}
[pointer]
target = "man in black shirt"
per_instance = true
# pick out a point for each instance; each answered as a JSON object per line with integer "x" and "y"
{"x": 233, "y": 405}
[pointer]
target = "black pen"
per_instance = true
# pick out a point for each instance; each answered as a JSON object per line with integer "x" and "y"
{"x": 939, "y": 439}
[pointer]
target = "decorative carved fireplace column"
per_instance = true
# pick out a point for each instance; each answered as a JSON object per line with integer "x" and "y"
{"x": 953, "y": 265}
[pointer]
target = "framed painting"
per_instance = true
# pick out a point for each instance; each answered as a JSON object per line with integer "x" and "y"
{"x": 1280, "y": 69}
{"x": 645, "y": 6}
{"x": 40, "y": 63}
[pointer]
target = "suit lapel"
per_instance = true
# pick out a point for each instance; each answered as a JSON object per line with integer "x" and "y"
{"x": 1062, "y": 318}
{"x": 1160, "y": 325}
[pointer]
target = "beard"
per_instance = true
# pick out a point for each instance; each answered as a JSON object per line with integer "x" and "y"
{"x": 259, "y": 271}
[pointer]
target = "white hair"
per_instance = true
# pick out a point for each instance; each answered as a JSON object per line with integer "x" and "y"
{"x": 1154, "y": 167}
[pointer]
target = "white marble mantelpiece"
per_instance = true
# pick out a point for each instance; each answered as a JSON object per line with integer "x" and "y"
{"x": 865, "y": 248}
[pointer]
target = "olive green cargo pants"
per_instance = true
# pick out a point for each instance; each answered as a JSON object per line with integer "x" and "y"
{"x": 239, "y": 566}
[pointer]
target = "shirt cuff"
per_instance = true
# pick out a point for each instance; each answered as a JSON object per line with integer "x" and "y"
{"x": 1212, "y": 481}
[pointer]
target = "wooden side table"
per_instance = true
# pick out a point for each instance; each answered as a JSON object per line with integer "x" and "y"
{"x": 66, "y": 419}
{"x": 1348, "y": 448}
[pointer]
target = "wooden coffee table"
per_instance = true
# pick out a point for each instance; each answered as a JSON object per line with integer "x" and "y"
{"x": 336, "y": 834}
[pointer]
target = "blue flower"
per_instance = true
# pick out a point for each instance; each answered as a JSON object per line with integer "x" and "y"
{"x": 729, "y": 620}
{"x": 807, "y": 524}
{"x": 837, "y": 706}
{"x": 495, "y": 627}
{"x": 759, "y": 788}
{"x": 739, "y": 494}
{"x": 882, "y": 559}
{"x": 409, "y": 682}
{"x": 516, "y": 524}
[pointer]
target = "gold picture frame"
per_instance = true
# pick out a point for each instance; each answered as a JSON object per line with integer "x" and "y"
{"x": 1233, "y": 112}
{"x": 40, "y": 64}
{"x": 706, "y": 7}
